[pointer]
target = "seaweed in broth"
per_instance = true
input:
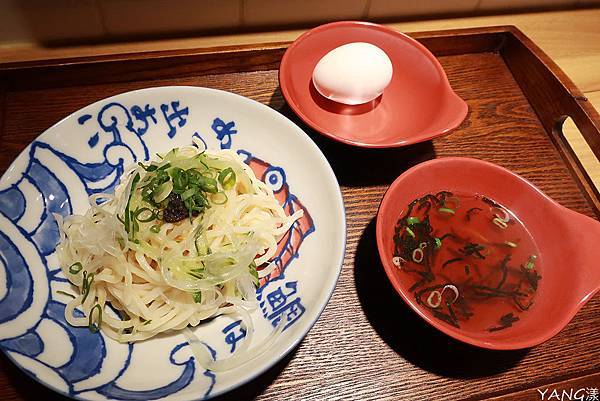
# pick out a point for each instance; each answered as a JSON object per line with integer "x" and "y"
{"x": 470, "y": 261}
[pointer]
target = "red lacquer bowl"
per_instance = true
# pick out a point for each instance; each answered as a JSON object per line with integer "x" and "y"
{"x": 418, "y": 105}
{"x": 567, "y": 241}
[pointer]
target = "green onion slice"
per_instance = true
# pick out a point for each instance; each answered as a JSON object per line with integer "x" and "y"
{"x": 66, "y": 293}
{"x": 188, "y": 193}
{"x": 227, "y": 178}
{"x": 164, "y": 166}
{"x": 138, "y": 215}
{"x": 75, "y": 268}
{"x": 197, "y": 297}
{"x": 136, "y": 178}
{"x": 531, "y": 262}
{"x": 446, "y": 210}
{"x": 208, "y": 184}
{"x": 95, "y": 327}
{"x": 220, "y": 198}
{"x": 195, "y": 275}
{"x": 88, "y": 279}
{"x": 254, "y": 273}
{"x": 413, "y": 220}
{"x": 149, "y": 168}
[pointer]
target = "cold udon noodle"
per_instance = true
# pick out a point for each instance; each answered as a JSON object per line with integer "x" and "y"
{"x": 181, "y": 240}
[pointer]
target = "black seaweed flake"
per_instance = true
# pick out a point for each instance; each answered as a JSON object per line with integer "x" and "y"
{"x": 473, "y": 249}
{"x": 504, "y": 270}
{"x": 471, "y": 211}
{"x": 450, "y": 261}
{"x": 504, "y": 322}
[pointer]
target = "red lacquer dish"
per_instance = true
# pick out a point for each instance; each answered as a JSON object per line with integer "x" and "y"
{"x": 565, "y": 241}
{"x": 418, "y": 104}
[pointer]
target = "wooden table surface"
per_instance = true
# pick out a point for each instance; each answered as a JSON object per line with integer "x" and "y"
{"x": 571, "y": 38}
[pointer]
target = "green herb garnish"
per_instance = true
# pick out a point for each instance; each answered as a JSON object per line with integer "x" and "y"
{"x": 88, "y": 279}
{"x": 66, "y": 293}
{"x": 254, "y": 273}
{"x": 129, "y": 227}
{"x": 75, "y": 268}
{"x": 95, "y": 327}
{"x": 227, "y": 178}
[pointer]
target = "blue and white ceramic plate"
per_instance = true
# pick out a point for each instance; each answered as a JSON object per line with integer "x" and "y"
{"x": 85, "y": 153}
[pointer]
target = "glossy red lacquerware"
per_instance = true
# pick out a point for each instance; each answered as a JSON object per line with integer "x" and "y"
{"x": 568, "y": 244}
{"x": 418, "y": 104}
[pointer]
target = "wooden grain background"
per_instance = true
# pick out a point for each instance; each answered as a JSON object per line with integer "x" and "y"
{"x": 367, "y": 345}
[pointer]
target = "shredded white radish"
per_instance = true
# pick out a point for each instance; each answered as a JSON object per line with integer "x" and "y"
{"x": 240, "y": 355}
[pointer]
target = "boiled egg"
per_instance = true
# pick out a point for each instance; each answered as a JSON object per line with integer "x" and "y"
{"x": 354, "y": 73}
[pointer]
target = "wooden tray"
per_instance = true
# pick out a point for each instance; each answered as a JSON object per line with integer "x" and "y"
{"x": 368, "y": 345}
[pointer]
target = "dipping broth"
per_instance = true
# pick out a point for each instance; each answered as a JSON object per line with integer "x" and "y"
{"x": 468, "y": 260}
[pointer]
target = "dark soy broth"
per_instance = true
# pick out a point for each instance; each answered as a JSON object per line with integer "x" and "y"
{"x": 468, "y": 260}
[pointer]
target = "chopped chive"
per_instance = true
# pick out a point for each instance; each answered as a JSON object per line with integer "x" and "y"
{"x": 438, "y": 243}
{"x": 135, "y": 225}
{"x": 188, "y": 193}
{"x": 126, "y": 222}
{"x": 410, "y": 232}
{"x": 95, "y": 327}
{"x": 88, "y": 279}
{"x": 254, "y": 273}
{"x": 227, "y": 178}
{"x": 180, "y": 180}
{"x": 446, "y": 210}
{"x": 412, "y": 220}
{"x": 137, "y": 215}
{"x": 149, "y": 168}
{"x": 66, "y": 293}
{"x": 208, "y": 184}
{"x": 220, "y": 198}
{"x": 75, "y": 268}
{"x": 531, "y": 262}
{"x": 195, "y": 275}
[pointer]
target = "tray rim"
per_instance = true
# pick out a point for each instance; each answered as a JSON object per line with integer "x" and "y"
{"x": 494, "y": 39}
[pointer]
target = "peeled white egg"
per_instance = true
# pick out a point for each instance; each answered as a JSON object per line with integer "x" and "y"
{"x": 354, "y": 73}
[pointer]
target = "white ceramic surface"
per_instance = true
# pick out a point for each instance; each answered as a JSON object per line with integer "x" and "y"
{"x": 85, "y": 153}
